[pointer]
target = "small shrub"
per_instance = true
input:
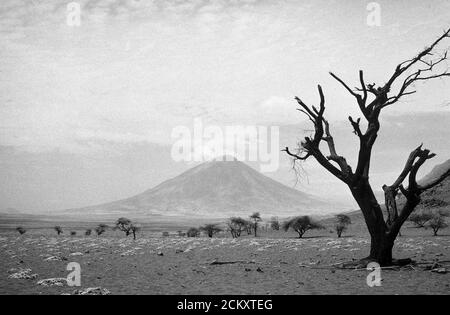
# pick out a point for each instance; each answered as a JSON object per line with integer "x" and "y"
{"x": 193, "y": 232}
{"x": 88, "y": 232}
{"x": 21, "y": 230}
{"x": 58, "y": 230}
{"x": 73, "y": 233}
{"x": 100, "y": 229}
{"x": 275, "y": 224}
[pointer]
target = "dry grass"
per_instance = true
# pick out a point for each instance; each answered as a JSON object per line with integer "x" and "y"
{"x": 271, "y": 264}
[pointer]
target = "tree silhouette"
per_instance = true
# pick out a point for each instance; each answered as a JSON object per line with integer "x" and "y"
{"x": 211, "y": 229}
{"x": 420, "y": 218}
{"x": 134, "y": 229}
{"x": 193, "y": 232}
{"x": 124, "y": 225}
{"x": 275, "y": 224}
{"x": 58, "y": 230}
{"x": 342, "y": 223}
{"x": 100, "y": 229}
{"x": 21, "y": 230}
{"x": 255, "y": 217}
{"x": 372, "y": 99}
{"x": 301, "y": 225}
{"x": 236, "y": 225}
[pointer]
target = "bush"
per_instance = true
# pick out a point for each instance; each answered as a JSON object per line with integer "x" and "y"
{"x": 193, "y": 232}
{"x": 100, "y": 229}
{"x": 301, "y": 225}
{"x": 275, "y": 224}
{"x": 88, "y": 232}
{"x": 58, "y": 230}
{"x": 73, "y": 233}
{"x": 21, "y": 230}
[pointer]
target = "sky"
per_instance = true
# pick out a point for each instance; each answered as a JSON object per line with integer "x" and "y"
{"x": 86, "y": 112}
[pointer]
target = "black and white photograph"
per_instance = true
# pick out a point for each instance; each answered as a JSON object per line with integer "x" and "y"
{"x": 224, "y": 153}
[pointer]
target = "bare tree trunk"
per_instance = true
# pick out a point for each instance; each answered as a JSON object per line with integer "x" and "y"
{"x": 381, "y": 242}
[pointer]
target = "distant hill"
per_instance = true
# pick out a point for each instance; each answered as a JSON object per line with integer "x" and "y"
{"x": 213, "y": 189}
{"x": 9, "y": 211}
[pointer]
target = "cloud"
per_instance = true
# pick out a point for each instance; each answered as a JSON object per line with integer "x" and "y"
{"x": 136, "y": 69}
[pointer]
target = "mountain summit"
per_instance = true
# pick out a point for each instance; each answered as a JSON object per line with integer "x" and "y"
{"x": 217, "y": 188}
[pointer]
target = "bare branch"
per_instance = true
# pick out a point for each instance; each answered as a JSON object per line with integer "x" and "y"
{"x": 297, "y": 156}
{"x": 312, "y": 145}
{"x": 421, "y": 74}
{"x": 356, "y": 127}
{"x": 340, "y": 160}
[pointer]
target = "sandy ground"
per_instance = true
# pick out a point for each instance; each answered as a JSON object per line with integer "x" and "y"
{"x": 262, "y": 265}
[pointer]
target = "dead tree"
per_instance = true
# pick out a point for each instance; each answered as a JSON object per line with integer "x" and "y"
{"x": 372, "y": 100}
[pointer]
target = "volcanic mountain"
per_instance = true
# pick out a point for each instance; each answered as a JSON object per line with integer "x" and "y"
{"x": 218, "y": 189}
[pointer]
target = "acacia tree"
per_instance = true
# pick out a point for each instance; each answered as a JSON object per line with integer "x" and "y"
{"x": 372, "y": 99}
{"x": 301, "y": 225}
{"x": 124, "y": 225}
{"x": 211, "y": 229}
{"x": 437, "y": 222}
{"x": 275, "y": 224}
{"x": 134, "y": 229}
{"x": 342, "y": 222}
{"x": 255, "y": 217}
{"x": 236, "y": 225}
{"x": 420, "y": 218}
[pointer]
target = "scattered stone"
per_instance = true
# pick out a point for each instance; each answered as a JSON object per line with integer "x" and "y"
{"x": 160, "y": 254}
{"x": 439, "y": 270}
{"x": 55, "y": 258}
{"x": 92, "y": 291}
{"x": 179, "y": 251}
{"x": 25, "y": 274}
{"x": 58, "y": 282}
{"x": 76, "y": 254}
{"x": 259, "y": 269}
{"x": 128, "y": 253}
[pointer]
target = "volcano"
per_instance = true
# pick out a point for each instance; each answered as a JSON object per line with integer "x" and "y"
{"x": 214, "y": 189}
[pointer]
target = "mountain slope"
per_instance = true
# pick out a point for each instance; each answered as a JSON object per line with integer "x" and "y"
{"x": 217, "y": 188}
{"x": 441, "y": 191}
